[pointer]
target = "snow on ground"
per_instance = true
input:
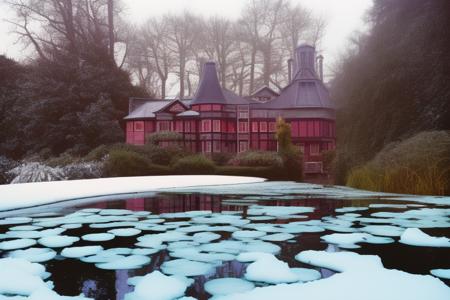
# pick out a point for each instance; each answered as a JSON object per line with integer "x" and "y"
{"x": 363, "y": 277}
{"x": 416, "y": 237}
{"x": 267, "y": 268}
{"x": 25, "y": 281}
{"x": 441, "y": 273}
{"x": 157, "y": 286}
{"x": 39, "y": 193}
{"x": 226, "y": 286}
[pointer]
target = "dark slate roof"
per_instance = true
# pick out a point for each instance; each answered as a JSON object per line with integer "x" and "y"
{"x": 209, "y": 90}
{"x": 302, "y": 94}
{"x": 262, "y": 89}
{"x": 149, "y": 107}
{"x": 232, "y": 98}
{"x": 306, "y": 89}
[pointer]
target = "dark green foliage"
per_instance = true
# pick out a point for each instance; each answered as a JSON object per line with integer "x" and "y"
{"x": 164, "y": 155}
{"x": 194, "y": 164}
{"x": 221, "y": 158}
{"x": 6, "y": 165}
{"x": 395, "y": 83}
{"x": 418, "y": 165}
{"x": 257, "y": 159}
{"x": 62, "y": 105}
{"x": 164, "y": 136}
{"x": 273, "y": 173}
{"x": 128, "y": 163}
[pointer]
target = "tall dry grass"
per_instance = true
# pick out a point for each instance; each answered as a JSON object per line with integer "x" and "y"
{"x": 418, "y": 165}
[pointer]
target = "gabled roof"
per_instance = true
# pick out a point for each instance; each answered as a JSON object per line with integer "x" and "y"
{"x": 263, "y": 89}
{"x": 209, "y": 90}
{"x": 171, "y": 104}
{"x": 148, "y": 108}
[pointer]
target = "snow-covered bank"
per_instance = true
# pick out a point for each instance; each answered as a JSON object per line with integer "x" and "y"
{"x": 32, "y": 194}
{"x": 362, "y": 277}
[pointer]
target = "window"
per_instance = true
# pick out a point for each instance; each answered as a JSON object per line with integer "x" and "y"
{"x": 310, "y": 128}
{"x": 179, "y": 126}
{"x": 243, "y": 115}
{"x": 303, "y": 129}
{"x": 129, "y": 126}
{"x": 187, "y": 126}
{"x": 302, "y": 148}
{"x": 316, "y": 128}
{"x": 206, "y": 146}
{"x": 217, "y": 107}
{"x": 216, "y": 146}
{"x": 206, "y": 125}
{"x": 196, "y": 107}
{"x": 294, "y": 126}
{"x": 272, "y": 126}
{"x": 216, "y": 125}
{"x": 231, "y": 126}
{"x": 254, "y": 126}
{"x": 163, "y": 125}
{"x": 263, "y": 126}
{"x": 243, "y": 146}
{"x": 243, "y": 126}
{"x": 139, "y": 126}
{"x": 314, "y": 149}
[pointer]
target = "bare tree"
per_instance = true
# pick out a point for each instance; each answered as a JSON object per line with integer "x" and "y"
{"x": 182, "y": 33}
{"x": 111, "y": 28}
{"x": 220, "y": 44}
{"x": 154, "y": 46}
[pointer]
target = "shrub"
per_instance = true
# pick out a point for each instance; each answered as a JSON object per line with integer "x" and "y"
{"x": 102, "y": 151}
{"x": 257, "y": 159}
{"x": 194, "y": 164}
{"x": 62, "y": 160}
{"x": 274, "y": 173}
{"x": 164, "y": 155}
{"x": 418, "y": 165}
{"x": 221, "y": 158}
{"x": 127, "y": 163}
{"x": 291, "y": 155}
{"x": 158, "y": 138}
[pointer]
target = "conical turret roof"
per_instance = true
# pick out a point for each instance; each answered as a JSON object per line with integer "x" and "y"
{"x": 209, "y": 90}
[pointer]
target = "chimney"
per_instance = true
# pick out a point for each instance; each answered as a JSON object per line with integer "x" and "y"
{"x": 304, "y": 59}
{"x": 290, "y": 62}
{"x": 320, "y": 66}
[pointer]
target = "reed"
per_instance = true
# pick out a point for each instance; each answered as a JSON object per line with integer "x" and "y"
{"x": 419, "y": 165}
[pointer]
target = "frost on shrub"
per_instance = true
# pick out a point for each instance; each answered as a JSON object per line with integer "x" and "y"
{"x": 194, "y": 164}
{"x": 418, "y": 165}
{"x": 35, "y": 172}
{"x": 6, "y": 164}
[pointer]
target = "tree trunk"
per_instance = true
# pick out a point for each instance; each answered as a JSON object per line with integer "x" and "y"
{"x": 163, "y": 88}
{"x": 252, "y": 71}
{"x": 182, "y": 70}
{"x": 111, "y": 28}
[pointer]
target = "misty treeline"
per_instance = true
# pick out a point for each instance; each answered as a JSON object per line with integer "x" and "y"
{"x": 394, "y": 83}
{"x": 72, "y": 92}
{"x": 250, "y": 50}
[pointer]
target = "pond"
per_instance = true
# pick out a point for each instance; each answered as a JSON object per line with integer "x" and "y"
{"x": 211, "y": 227}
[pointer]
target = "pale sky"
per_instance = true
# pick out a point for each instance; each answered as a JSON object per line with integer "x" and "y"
{"x": 344, "y": 17}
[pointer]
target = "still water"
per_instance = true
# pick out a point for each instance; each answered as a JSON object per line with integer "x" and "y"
{"x": 72, "y": 276}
